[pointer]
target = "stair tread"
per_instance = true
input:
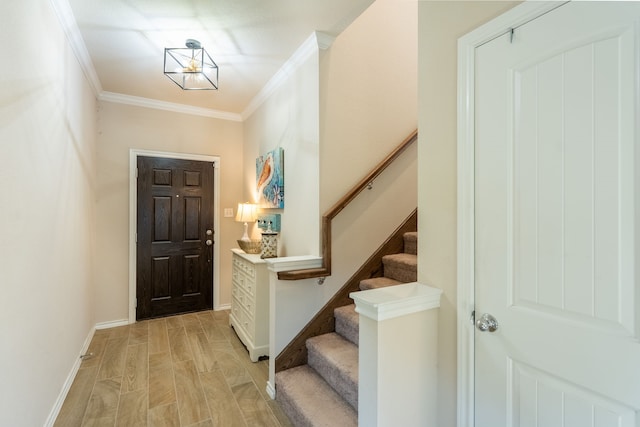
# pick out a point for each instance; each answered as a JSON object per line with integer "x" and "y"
{"x": 409, "y": 260}
{"x": 348, "y": 322}
{"x": 336, "y": 360}
{"x": 378, "y": 282}
{"x": 309, "y": 401}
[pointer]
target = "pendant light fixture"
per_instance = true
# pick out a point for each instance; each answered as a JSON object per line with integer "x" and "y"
{"x": 191, "y": 68}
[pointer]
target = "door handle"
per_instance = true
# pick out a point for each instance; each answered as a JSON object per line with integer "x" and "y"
{"x": 487, "y": 322}
{"x": 209, "y": 242}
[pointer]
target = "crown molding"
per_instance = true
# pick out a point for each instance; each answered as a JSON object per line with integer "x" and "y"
{"x": 69, "y": 25}
{"x": 324, "y": 40}
{"x": 317, "y": 40}
{"x": 138, "y": 101}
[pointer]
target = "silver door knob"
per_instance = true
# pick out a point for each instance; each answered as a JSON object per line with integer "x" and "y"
{"x": 209, "y": 232}
{"x": 209, "y": 242}
{"x": 487, "y": 322}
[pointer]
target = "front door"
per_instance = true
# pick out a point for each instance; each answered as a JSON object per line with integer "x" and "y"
{"x": 174, "y": 236}
{"x": 557, "y": 221}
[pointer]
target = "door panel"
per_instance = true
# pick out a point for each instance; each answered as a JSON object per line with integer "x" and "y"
{"x": 175, "y": 210}
{"x": 556, "y": 188}
{"x": 160, "y": 278}
{"x": 162, "y": 219}
{"x": 570, "y": 104}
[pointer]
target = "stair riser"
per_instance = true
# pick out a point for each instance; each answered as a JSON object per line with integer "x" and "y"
{"x": 348, "y": 330}
{"x": 402, "y": 267}
{"x": 335, "y": 359}
{"x": 309, "y": 401}
{"x": 411, "y": 243}
{"x": 400, "y": 273}
{"x": 347, "y": 323}
{"x": 289, "y": 407}
{"x": 342, "y": 385}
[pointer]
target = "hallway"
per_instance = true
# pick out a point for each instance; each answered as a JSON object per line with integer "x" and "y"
{"x": 185, "y": 370}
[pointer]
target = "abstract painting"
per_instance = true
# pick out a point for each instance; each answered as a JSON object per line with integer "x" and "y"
{"x": 270, "y": 179}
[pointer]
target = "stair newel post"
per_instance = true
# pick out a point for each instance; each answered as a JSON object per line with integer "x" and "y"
{"x": 398, "y": 355}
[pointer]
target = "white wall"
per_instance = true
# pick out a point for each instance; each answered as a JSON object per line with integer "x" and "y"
{"x": 441, "y": 24}
{"x": 368, "y": 106}
{"x": 47, "y": 150}
{"x": 123, "y": 127}
{"x": 288, "y": 118}
{"x": 369, "y": 94}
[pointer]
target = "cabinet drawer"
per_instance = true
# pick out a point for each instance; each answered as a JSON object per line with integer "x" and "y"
{"x": 245, "y": 300}
{"x": 248, "y": 324}
{"x": 250, "y": 287}
{"x": 246, "y": 283}
{"x": 249, "y": 306}
{"x": 236, "y": 309}
{"x": 244, "y": 266}
{"x": 242, "y": 319}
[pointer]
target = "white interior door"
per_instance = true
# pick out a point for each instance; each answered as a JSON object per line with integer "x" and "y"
{"x": 557, "y": 220}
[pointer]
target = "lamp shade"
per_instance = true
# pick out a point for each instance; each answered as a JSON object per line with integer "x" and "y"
{"x": 247, "y": 212}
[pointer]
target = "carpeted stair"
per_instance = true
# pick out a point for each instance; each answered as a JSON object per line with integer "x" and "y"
{"x": 325, "y": 391}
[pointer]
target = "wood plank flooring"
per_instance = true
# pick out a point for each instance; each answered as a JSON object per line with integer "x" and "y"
{"x": 186, "y": 370}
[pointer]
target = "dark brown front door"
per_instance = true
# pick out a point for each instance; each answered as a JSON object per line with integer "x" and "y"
{"x": 174, "y": 236}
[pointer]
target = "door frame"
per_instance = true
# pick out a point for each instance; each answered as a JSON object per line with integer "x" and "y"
{"x": 467, "y": 45}
{"x": 133, "y": 213}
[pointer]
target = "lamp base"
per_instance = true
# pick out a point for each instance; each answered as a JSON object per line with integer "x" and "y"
{"x": 245, "y": 236}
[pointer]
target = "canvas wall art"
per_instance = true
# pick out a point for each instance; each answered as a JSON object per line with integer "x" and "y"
{"x": 270, "y": 179}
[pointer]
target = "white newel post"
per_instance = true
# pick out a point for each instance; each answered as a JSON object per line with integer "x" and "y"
{"x": 398, "y": 355}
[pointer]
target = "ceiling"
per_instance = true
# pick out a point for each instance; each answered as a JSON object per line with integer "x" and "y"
{"x": 250, "y": 40}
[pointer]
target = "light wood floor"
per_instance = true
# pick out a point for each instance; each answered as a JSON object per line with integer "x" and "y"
{"x": 187, "y": 370}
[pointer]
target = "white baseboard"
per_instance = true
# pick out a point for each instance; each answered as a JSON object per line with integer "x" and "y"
{"x": 222, "y": 307}
{"x": 112, "y": 324}
{"x": 271, "y": 390}
{"x": 67, "y": 384}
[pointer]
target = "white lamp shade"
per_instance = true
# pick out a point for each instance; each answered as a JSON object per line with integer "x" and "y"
{"x": 247, "y": 212}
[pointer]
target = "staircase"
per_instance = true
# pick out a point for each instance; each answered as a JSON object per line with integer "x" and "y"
{"x": 324, "y": 392}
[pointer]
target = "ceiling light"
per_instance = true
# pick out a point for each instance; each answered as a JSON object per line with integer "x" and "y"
{"x": 191, "y": 68}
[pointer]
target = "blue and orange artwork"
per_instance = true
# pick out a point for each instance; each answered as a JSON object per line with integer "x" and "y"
{"x": 270, "y": 179}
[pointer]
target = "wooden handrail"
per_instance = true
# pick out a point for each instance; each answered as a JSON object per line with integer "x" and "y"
{"x": 295, "y": 353}
{"x": 325, "y": 270}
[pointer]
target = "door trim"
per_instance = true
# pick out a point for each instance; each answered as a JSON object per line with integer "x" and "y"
{"x": 467, "y": 45}
{"x": 133, "y": 212}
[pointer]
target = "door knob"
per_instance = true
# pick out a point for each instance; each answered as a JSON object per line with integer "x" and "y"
{"x": 209, "y": 232}
{"x": 487, "y": 322}
{"x": 209, "y": 242}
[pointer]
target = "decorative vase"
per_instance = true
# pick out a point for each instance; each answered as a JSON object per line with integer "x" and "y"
{"x": 269, "y": 244}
